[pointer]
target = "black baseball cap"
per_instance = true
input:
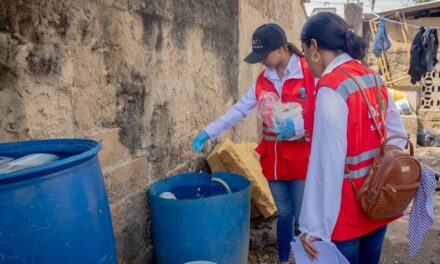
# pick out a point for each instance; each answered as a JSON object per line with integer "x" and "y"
{"x": 265, "y": 39}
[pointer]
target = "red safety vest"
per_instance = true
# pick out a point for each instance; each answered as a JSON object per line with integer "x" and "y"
{"x": 363, "y": 144}
{"x": 288, "y": 160}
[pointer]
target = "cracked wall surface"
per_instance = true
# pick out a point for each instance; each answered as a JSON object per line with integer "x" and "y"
{"x": 139, "y": 76}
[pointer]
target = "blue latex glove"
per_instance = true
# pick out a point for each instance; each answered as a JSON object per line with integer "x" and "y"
{"x": 286, "y": 129}
{"x": 199, "y": 141}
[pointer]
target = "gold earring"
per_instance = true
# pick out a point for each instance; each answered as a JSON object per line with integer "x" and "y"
{"x": 316, "y": 56}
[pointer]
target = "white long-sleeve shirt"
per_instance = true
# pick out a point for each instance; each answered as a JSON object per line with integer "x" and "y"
{"x": 323, "y": 188}
{"x": 249, "y": 100}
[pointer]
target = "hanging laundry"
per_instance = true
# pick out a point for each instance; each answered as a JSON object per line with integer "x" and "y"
{"x": 381, "y": 41}
{"x": 421, "y": 217}
{"x": 430, "y": 43}
{"x": 423, "y": 53}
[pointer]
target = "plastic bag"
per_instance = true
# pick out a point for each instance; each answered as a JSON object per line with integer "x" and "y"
{"x": 168, "y": 195}
{"x": 265, "y": 112}
{"x": 5, "y": 159}
{"x": 283, "y": 111}
{"x": 27, "y": 161}
{"x": 427, "y": 138}
{"x": 404, "y": 107}
{"x": 273, "y": 112}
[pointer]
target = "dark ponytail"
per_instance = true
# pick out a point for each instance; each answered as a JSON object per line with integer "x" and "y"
{"x": 293, "y": 49}
{"x": 355, "y": 46}
{"x": 331, "y": 32}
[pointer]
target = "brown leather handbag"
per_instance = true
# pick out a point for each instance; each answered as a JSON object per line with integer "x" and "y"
{"x": 392, "y": 182}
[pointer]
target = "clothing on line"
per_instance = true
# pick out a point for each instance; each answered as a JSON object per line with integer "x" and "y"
{"x": 423, "y": 53}
{"x": 381, "y": 41}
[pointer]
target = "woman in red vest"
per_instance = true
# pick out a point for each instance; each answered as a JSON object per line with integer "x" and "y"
{"x": 284, "y": 161}
{"x": 344, "y": 140}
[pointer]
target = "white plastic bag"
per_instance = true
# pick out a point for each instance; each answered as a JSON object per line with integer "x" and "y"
{"x": 404, "y": 107}
{"x": 168, "y": 195}
{"x": 274, "y": 113}
{"x": 27, "y": 161}
{"x": 5, "y": 159}
{"x": 283, "y": 111}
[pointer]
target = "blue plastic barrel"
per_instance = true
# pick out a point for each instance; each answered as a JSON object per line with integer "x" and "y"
{"x": 204, "y": 223}
{"x": 57, "y": 212}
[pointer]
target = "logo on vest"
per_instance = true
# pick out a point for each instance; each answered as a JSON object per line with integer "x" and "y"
{"x": 374, "y": 110}
{"x": 373, "y": 127}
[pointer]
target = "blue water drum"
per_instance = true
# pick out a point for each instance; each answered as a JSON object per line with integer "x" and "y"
{"x": 56, "y": 212}
{"x": 199, "y": 220}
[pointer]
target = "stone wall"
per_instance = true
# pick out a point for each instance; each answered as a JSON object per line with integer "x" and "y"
{"x": 139, "y": 76}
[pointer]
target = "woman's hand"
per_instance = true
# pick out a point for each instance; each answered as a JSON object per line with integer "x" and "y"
{"x": 199, "y": 141}
{"x": 285, "y": 130}
{"x": 307, "y": 242}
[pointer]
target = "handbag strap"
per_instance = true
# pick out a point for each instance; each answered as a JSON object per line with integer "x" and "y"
{"x": 370, "y": 108}
{"x": 410, "y": 144}
{"x": 371, "y": 111}
{"x": 380, "y": 102}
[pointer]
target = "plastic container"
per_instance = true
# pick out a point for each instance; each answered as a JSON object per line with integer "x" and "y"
{"x": 56, "y": 212}
{"x": 204, "y": 223}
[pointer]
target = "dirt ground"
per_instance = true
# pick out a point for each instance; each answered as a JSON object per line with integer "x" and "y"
{"x": 395, "y": 250}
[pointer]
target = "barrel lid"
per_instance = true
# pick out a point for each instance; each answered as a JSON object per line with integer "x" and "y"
{"x": 74, "y": 150}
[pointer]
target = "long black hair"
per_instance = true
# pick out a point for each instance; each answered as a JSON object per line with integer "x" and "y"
{"x": 331, "y": 32}
{"x": 293, "y": 49}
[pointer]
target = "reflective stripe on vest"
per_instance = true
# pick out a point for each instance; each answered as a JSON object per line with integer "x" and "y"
{"x": 348, "y": 86}
{"x": 271, "y": 138}
{"x": 355, "y": 174}
{"x": 274, "y": 138}
{"x": 353, "y": 160}
{"x": 267, "y": 130}
{"x": 271, "y": 135}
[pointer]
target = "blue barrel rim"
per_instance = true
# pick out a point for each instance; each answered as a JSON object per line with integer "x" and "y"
{"x": 93, "y": 145}
{"x": 154, "y": 194}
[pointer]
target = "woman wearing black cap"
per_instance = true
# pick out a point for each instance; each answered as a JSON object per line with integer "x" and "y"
{"x": 284, "y": 152}
{"x": 345, "y": 141}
